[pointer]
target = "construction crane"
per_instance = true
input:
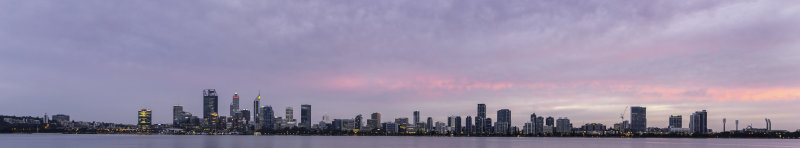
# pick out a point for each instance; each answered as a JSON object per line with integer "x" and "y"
{"x": 622, "y": 115}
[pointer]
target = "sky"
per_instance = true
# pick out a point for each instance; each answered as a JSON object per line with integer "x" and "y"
{"x": 100, "y": 60}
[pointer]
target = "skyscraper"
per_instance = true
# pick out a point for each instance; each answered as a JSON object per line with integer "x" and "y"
{"x": 429, "y": 125}
{"x": 564, "y": 126}
{"x": 246, "y": 115}
{"x": 305, "y": 116}
{"x": 724, "y": 123}
{"x": 145, "y": 119}
{"x": 676, "y": 121}
{"x": 177, "y": 115}
{"x": 480, "y": 120}
{"x": 290, "y": 121}
{"x": 257, "y": 111}
{"x": 416, "y": 117}
{"x": 374, "y": 121}
{"x": 698, "y": 123}
{"x": 539, "y": 125}
{"x": 267, "y": 117}
{"x": 638, "y": 119}
{"x": 358, "y": 122}
{"x": 210, "y": 107}
{"x": 550, "y": 121}
{"x": 235, "y": 104}
{"x": 469, "y": 129}
{"x": 503, "y": 121}
{"x": 457, "y": 123}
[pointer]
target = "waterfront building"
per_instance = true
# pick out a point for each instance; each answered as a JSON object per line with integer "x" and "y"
{"x": 503, "y": 121}
{"x": 177, "y": 115}
{"x": 267, "y": 117}
{"x": 549, "y": 121}
{"x": 638, "y": 119}
{"x": 429, "y": 125}
{"x": 60, "y": 118}
{"x": 289, "y": 121}
{"x": 469, "y": 129}
{"x": 457, "y": 123}
{"x": 675, "y": 121}
{"x": 305, "y": 116}
{"x": 698, "y": 122}
{"x": 480, "y": 119}
{"x": 539, "y": 125}
{"x": 563, "y": 126}
{"x": 416, "y": 117}
{"x": 210, "y": 107}
{"x": 391, "y": 128}
{"x": 374, "y": 121}
{"x": 357, "y": 122}
{"x": 257, "y": 112}
{"x": 145, "y": 119}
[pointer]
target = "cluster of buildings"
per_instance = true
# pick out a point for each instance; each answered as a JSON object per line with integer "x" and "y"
{"x": 262, "y": 119}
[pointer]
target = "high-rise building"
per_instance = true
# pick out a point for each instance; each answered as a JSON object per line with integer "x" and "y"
{"x": 246, "y": 116}
{"x": 480, "y": 120}
{"x": 699, "y": 122}
{"x": 676, "y": 121}
{"x": 769, "y": 124}
{"x": 145, "y": 119}
{"x": 374, "y": 121}
{"x": 357, "y": 120}
{"x": 638, "y": 119}
{"x": 539, "y": 125}
{"x": 469, "y": 126}
{"x": 177, "y": 115}
{"x": 235, "y": 104}
{"x": 416, "y": 117}
{"x": 305, "y": 116}
{"x": 429, "y": 125}
{"x": 503, "y": 121}
{"x": 563, "y": 126}
{"x": 737, "y": 125}
{"x": 289, "y": 113}
{"x": 210, "y": 107}
{"x": 457, "y": 122}
{"x": 267, "y": 118}
{"x": 257, "y": 111}
{"x": 532, "y": 128}
{"x": 488, "y": 125}
{"x": 550, "y": 121}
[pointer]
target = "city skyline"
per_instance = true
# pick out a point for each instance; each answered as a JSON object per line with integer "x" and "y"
{"x": 584, "y": 60}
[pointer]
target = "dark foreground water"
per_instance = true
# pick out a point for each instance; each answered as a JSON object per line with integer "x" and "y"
{"x": 183, "y": 141}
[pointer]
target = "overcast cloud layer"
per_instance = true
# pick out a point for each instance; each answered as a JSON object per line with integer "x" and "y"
{"x": 100, "y": 60}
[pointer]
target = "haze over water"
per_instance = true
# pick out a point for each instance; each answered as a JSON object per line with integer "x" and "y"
{"x": 183, "y": 141}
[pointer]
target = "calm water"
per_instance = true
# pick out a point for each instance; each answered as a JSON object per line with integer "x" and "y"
{"x": 179, "y": 141}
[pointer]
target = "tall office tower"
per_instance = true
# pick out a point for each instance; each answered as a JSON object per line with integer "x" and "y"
{"x": 267, "y": 118}
{"x": 145, "y": 119}
{"x": 737, "y": 125}
{"x": 564, "y": 126}
{"x": 638, "y": 119}
{"x": 468, "y": 130}
{"x": 503, "y": 121}
{"x": 429, "y": 124}
{"x": 246, "y": 116}
{"x": 177, "y": 115}
{"x": 450, "y": 121}
{"x": 210, "y": 106}
{"x": 376, "y": 117}
{"x": 533, "y": 118}
{"x": 724, "y": 123}
{"x": 676, "y": 121}
{"x": 257, "y": 111}
{"x": 235, "y": 104}
{"x": 480, "y": 120}
{"x": 416, "y": 117}
{"x": 305, "y": 116}
{"x": 539, "y": 125}
{"x": 357, "y": 121}
{"x": 289, "y": 113}
{"x": 698, "y": 123}
{"x": 550, "y": 121}
{"x": 488, "y": 125}
{"x": 457, "y": 123}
